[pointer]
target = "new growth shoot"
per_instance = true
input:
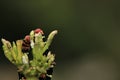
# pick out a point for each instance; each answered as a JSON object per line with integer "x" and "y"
{"x": 42, "y": 61}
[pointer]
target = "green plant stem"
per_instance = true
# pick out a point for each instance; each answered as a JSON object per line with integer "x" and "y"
{"x": 32, "y": 78}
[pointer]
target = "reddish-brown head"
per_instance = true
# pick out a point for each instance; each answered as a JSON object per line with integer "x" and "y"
{"x": 38, "y": 30}
{"x": 27, "y": 38}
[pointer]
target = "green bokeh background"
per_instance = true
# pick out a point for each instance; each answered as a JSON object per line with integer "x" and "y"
{"x": 87, "y": 46}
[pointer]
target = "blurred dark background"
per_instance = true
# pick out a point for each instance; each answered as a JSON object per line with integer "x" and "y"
{"x": 87, "y": 46}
